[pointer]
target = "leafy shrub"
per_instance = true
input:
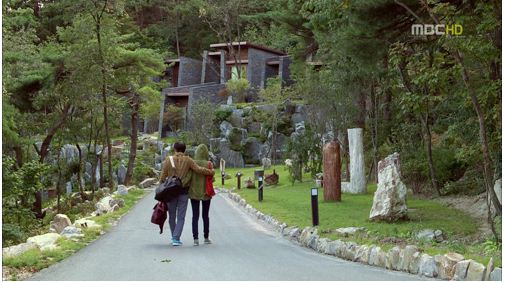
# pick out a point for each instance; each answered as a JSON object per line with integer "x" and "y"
{"x": 223, "y": 114}
{"x": 141, "y": 172}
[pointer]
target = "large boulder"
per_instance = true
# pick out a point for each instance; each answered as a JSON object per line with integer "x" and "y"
{"x": 45, "y": 241}
{"x": 121, "y": 173}
{"x": 225, "y": 128}
{"x": 16, "y": 250}
{"x": 254, "y": 128}
{"x": 497, "y": 189}
{"x": 148, "y": 182}
{"x": 59, "y": 223}
{"x": 72, "y": 232}
{"x": 86, "y": 223}
{"x": 251, "y": 151}
{"x": 430, "y": 235}
{"x": 236, "y": 117}
{"x": 389, "y": 202}
{"x": 122, "y": 190}
{"x": 236, "y": 137}
{"x": 104, "y": 206}
{"x": 232, "y": 158}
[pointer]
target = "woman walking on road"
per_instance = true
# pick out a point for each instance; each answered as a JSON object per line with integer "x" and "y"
{"x": 198, "y": 193}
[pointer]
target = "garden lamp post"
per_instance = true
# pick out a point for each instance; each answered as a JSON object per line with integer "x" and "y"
{"x": 238, "y": 179}
{"x": 315, "y": 208}
{"x": 260, "y": 188}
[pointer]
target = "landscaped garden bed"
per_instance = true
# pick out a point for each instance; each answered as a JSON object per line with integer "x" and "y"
{"x": 291, "y": 204}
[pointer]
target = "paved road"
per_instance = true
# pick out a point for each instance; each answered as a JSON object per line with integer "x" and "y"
{"x": 243, "y": 250}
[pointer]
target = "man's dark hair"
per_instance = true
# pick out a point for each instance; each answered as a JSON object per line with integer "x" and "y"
{"x": 180, "y": 147}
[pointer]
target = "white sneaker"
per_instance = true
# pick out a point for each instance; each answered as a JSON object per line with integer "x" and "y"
{"x": 196, "y": 243}
{"x": 207, "y": 241}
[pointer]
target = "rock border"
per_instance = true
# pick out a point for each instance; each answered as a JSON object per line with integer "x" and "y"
{"x": 410, "y": 259}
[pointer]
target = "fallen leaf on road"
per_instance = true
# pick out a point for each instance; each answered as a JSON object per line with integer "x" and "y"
{"x": 166, "y": 260}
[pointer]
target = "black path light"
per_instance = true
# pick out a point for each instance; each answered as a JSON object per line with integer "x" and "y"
{"x": 260, "y": 188}
{"x": 238, "y": 179}
{"x": 222, "y": 166}
{"x": 315, "y": 208}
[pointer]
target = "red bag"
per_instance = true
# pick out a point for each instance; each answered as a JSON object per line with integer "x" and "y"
{"x": 209, "y": 187}
{"x": 159, "y": 215}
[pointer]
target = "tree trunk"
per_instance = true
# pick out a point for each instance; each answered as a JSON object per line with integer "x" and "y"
{"x": 133, "y": 138}
{"x": 331, "y": 172}
{"x": 104, "y": 101}
{"x": 429, "y": 154}
{"x": 488, "y": 178}
{"x": 44, "y": 149}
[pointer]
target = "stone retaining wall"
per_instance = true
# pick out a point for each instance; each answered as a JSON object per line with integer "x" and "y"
{"x": 451, "y": 266}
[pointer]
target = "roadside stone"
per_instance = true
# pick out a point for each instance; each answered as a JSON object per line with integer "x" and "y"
{"x": 349, "y": 231}
{"x": 16, "y": 250}
{"x": 119, "y": 202}
{"x": 349, "y": 250}
{"x": 394, "y": 258}
{"x": 72, "y": 232}
{"x": 362, "y": 254}
{"x": 430, "y": 235}
{"x": 461, "y": 269}
{"x": 489, "y": 269}
{"x": 148, "y": 182}
{"x": 312, "y": 243}
{"x": 103, "y": 206}
{"x": 294, "y": 234}
{"x": 495, "y": 275}
{"x": 86, "y": 223}
{"x": 427, "y": 266}
{"x": 406, "y": 256}
{"x": 45, "y": 241}
{"x": 305, "y": 235}
{"x": 59, "y": 223}
{"x": 475, "y": 271}
{"x": 446, "y": 264}
{"x": 122, "y": 190}
{"x": 336, "y": 248}
{"x": 415, "y": 262}
{"x": 323, "y": 245}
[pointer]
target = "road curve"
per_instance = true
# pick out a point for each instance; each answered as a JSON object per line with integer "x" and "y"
{"x": 243, "y": 249}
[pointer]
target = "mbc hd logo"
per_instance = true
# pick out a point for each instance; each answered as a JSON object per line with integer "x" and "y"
{"x": 437, "y": 29}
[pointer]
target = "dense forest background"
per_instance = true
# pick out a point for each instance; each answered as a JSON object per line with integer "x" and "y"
{"x": 72, "y": 68}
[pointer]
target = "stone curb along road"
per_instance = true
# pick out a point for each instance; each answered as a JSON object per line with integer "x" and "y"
{"x": 451, "y": 266}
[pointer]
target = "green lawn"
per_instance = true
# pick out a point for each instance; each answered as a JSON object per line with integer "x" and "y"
{"x": 291, "y": 204}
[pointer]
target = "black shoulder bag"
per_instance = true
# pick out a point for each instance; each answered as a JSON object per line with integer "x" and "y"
{"x": 170, "y": 188}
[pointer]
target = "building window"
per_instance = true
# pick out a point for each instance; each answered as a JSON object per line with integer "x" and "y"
{"x": 243, "y": 72}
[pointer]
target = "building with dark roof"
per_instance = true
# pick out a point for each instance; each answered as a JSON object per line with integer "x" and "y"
{"x": 191, "y": 79}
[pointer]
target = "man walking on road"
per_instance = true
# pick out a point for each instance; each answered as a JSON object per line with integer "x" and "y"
{"x": 184, "y": 167}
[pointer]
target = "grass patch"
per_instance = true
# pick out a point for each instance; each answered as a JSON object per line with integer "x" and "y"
{"x": 35, "y": 260}
{"x": 291, "y": 204}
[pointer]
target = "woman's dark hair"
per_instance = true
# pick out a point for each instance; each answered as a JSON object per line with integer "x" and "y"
{"x": 180, "y": 147}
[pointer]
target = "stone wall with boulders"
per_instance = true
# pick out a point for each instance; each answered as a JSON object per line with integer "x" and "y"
{"x": 245, "y": 136}
{"x": 450, "y": 266}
